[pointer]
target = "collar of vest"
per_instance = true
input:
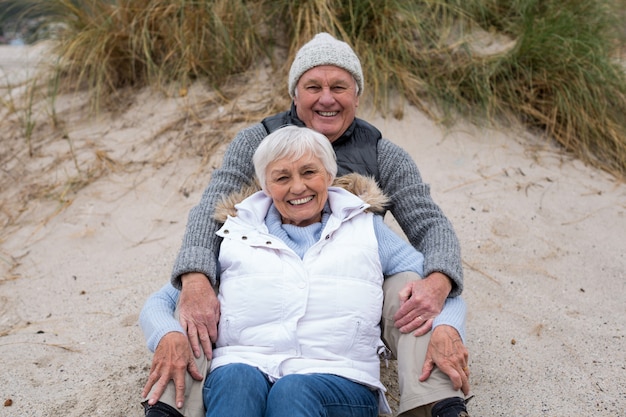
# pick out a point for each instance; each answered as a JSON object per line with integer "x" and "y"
{"x": 363, "y": 187}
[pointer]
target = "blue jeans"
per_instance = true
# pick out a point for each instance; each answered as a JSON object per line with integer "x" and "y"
{"x": 239, "y": 390}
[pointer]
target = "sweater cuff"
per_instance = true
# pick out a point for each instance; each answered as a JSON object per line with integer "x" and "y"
{"x": 153, "y": 341}
{"x": 456, "y": 277}
{"x": 194, "y": 259}
{"x": 453, "y": 314}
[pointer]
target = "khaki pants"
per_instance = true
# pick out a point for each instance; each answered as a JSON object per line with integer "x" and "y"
{"x": 410, "y": 351}
{"x": 194, "y": 403}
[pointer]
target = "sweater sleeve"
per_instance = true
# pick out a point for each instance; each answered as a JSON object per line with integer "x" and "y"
{"x": 198, "y": 252}
{"x": 421, "y": 219}
{"x": 396, "y": 256}
{"x": 453, "y": 314}
{"x": 395, "y": 253}
{"x": 157, "y": 316}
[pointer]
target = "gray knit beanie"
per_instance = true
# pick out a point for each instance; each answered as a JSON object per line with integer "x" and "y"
{"x": 323, "y": 49}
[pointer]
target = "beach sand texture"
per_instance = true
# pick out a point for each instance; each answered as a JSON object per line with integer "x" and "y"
{"x": 543, "y": 239}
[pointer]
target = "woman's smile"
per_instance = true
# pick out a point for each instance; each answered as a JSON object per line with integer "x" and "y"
{"x": 299, "y": 189}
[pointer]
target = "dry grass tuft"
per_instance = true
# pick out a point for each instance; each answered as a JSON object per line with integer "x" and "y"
{"x": 104, "y": 46}
{"x": 551, "y": 64}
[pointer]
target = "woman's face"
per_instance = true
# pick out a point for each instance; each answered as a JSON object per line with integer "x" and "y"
{"x": 299, "y": 189}
{"x": 326, "y": 100}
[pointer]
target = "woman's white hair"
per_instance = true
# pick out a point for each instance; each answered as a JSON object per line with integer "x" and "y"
{"x": 293, "y": 142}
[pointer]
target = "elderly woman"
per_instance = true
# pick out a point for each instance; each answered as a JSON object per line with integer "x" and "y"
{"x": 302, "y": 266}
{"x": 326, "y": 82}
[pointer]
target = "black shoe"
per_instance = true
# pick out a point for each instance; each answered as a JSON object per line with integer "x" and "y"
{"x": 160, "y": 410}
{"x": 450, "y": 407}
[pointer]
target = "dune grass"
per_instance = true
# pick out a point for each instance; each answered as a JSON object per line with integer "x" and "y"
{"x": 563, "y": 78}
{"x": 555, "y": 66}
{"x": 105, "y": 46}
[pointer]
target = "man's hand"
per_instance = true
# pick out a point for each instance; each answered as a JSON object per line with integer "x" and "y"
{"x": 447, "y": 352}
{"x": 172, "y": 359}
{"x": 422, "y": 300}
{"x": 199, "y": 312}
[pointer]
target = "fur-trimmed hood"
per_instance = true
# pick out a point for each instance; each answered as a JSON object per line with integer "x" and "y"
{"x": 363, "y": 187}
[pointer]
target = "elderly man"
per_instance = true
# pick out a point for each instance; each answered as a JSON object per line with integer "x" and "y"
{"x": 326, "y": 82}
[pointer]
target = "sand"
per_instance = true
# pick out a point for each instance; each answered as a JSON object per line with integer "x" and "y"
{"x": 543, "y": 239}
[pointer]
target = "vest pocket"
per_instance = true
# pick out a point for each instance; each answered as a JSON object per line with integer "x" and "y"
{"x": 225, "y": 329}
{"x": 353, "y": 341}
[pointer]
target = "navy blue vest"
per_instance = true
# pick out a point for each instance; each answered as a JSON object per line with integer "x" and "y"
{"x": 356, "y": 149}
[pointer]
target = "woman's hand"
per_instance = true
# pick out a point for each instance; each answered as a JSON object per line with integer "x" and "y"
{"x": 172, "y": 359}
{"x": 447, "y": 352}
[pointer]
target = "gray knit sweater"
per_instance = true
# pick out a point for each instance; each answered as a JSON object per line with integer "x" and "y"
{"x": 423, "y": 222}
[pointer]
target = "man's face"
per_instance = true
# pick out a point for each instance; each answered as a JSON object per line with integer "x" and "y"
{"x": 326, "y": 100}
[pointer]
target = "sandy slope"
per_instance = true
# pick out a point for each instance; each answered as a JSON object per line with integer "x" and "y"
{"x": 543, "y": 240}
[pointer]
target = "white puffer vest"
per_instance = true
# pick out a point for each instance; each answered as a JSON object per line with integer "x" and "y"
{"x": 288, "y": 315}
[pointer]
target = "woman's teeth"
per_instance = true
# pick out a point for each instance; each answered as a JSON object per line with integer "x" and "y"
{"x": 301, "y": 201}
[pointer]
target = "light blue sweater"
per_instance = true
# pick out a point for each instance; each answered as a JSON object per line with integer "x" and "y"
{"x": 396, "y": 255}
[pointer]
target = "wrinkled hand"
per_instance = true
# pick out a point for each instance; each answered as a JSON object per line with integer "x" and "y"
{"x": 421, "y": 301}
{"x": 199, "y": 312}
{"x": 447, "y": 352}
{"x": 172, "y": 359}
